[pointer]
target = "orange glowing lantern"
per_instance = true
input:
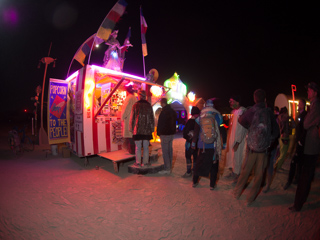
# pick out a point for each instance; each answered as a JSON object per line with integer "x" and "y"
{"x": 191, "y": 96}
{"x": 156, "y": 91}
{"x": 88, "y": 91}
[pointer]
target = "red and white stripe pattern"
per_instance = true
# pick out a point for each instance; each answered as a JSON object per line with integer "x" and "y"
{"x": 92, "y": 136}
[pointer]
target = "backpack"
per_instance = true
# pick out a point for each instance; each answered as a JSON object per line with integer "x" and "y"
{"x": 208, "y": 129}
{"x": 259, "y": 133}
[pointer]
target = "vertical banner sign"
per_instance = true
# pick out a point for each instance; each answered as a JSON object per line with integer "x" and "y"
{"x": 58, "y": 114}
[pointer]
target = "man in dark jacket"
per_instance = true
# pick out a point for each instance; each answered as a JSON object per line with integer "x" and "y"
{"x": 296, "y": 162}
{"x": 142, "y": 127}
{"x": 256, "y": 159}
{"x": 166, "y": 130}
{"x": 311, "y": 148}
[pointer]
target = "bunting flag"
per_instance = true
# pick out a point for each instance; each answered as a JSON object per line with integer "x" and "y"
{"x": 111, "y": 19}
{"x": 144, "y": 27}
{"x": 103, "y": 33}
{"x": 84, "y": 50}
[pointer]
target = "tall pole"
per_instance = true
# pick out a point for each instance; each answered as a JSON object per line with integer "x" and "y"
{"x": 43, "y": 137}
{"x": 293, "y": 88}
{"x": 42, "y": 95}
{"x": 141, "y": 24}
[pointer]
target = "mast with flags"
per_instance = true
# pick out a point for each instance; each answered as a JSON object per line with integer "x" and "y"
{"x": 102, "y": 34}
{"x": 144, "y": 27}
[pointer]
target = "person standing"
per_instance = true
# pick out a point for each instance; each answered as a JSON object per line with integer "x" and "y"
{"x": 262, "y": 131}
{"x": 209, "y": 152}
{"x": 273, "y": 155}
{"x": 296, "y": 162}
{"x": 311, "y": 148}
{"x": 283, "y": 121}
{"x": 166, "y": 130}
{"x": 142, "y": 126}
{"x": 125, "y": 116}
{"x": 188, "y": 132}
{"x": 236, "y": 140}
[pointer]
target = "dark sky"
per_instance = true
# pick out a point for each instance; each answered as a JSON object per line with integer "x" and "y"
{"x": 219, "y": 48}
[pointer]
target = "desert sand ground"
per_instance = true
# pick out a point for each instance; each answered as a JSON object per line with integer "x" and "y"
{"x": 58, "y": 198}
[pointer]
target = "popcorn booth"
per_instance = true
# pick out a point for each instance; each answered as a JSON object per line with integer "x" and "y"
{"x": 93, "y": 109}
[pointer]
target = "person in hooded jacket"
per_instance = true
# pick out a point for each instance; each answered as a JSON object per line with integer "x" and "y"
{"x": 209, "y": 154}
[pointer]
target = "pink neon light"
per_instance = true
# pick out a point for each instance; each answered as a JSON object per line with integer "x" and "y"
{"x": 72, "y": 76}
{"x": 121, "y": 74}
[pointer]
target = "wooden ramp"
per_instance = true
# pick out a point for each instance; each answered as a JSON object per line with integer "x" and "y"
{"x": 117, "y": 157}
{"x": 121, "y": 156}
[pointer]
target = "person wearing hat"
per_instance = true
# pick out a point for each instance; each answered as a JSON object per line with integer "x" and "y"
{"x": 235, "y": 140}
{"x": 209, "y": 154}
{"x": 311, "y": 149}
{"x": 188, "y": 132}
{"x": 125, "y": 116}
{"x": 142, "y": 127}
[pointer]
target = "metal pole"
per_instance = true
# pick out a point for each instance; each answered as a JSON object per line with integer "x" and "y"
{"x": 42, "y": 94}
{"x": 32, "y": 128}
{"x": 293, "y": 87}
{"x": 43, "y": 137}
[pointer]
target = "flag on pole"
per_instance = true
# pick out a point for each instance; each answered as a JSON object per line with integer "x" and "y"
{"x": 144, "y": 27}
{"x": 84, "y": 50}
{"x": 126, "y": 42}
{"x": 111, "y": 19}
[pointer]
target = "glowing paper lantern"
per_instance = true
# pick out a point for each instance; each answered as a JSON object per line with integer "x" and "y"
{"x": 191, "y": 96}
{"x": 178, "y": 88}
{"x": 156, "y": 91}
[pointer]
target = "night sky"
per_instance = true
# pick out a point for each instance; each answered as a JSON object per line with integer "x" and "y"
{"x": 219, "y": 48}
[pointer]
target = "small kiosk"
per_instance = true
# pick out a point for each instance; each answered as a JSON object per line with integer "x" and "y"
{"x": 94, "y": 100}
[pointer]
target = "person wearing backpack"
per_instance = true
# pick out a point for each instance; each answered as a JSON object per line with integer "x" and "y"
{"x": 207, "y": 137}
{"x": 262, "y": 132}
{"x": 188, "y": 132}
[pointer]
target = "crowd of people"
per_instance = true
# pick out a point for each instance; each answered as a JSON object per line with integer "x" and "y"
{"x": 257, "y": 139}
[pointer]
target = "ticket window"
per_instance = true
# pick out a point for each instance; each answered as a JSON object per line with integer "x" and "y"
{"x": 113, "y": 107}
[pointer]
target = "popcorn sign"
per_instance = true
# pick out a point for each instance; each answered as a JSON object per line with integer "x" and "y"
{"x": 58, "y": 123}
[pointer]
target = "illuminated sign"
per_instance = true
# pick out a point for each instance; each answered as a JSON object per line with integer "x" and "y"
{"x": 178, "y": 88}
{"x": 58, "y": 124}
